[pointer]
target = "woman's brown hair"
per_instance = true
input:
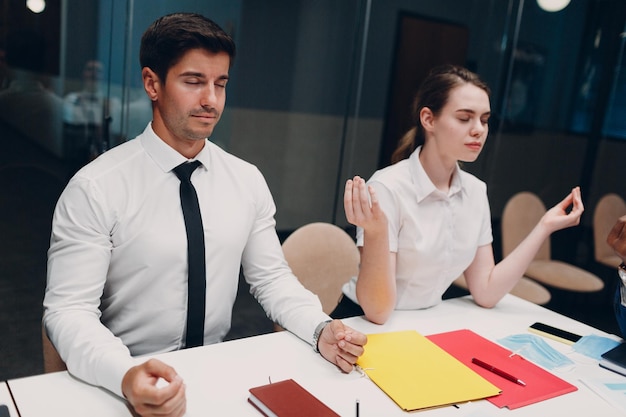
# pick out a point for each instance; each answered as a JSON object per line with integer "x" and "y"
{"x": 433, "y": 93}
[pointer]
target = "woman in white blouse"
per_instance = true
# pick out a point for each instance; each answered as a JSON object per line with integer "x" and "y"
{"x": 423, "y": 221}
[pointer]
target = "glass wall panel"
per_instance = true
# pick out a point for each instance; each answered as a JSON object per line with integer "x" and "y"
{"x": 615, "y": 122}
{"x": 315, "y": 89}
{"x": 312, "y": 92}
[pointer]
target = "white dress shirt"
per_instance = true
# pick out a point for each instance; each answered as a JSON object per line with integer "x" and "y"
{"x": 435, "y": 235}
{"x": 117, "y": 263}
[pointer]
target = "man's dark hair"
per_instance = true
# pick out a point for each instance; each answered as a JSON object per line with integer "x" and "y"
{"x": 171, "y": 36}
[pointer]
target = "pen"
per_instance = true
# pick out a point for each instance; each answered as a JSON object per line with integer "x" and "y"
{"x": 357, "y": 407}
{"x": 498, "y": 371}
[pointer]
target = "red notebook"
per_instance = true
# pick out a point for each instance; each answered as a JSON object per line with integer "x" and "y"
{"x": 287, "y": 399}
{"x": 540, "y": 384}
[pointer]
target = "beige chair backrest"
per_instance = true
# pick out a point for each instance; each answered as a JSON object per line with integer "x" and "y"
{"x": 520, "y": 215}
{"x": 52, "y": 362}
{"x": 323, "y": 257}
{"x": 609, "y": 208}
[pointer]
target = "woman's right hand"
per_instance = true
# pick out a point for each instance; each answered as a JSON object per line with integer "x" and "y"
{"x": 361, "y": 205}
{"x": 376, "y": 283}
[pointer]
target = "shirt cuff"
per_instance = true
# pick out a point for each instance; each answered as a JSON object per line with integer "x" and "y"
{"x": 112, "y": 374}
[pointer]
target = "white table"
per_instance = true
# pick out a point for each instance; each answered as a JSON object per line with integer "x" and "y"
{"x": 218, "y": 377}
{"x": 5, "y": 399}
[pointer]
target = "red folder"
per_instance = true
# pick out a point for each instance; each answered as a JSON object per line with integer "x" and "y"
{"x": 540, "y": 384}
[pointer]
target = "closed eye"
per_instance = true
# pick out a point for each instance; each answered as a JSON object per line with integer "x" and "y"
{"x": 221, "y": 82}
{"x": 193, "y": 80}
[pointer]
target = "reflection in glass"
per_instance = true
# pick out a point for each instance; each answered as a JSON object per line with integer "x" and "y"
{"x": 28, "y": 105}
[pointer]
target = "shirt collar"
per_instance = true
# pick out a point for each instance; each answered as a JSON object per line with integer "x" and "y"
{"x": 424, "y": 186}
{"x": 166, "y": 157}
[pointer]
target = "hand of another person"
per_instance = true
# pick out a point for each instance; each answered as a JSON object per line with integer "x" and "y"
{"x": 139, "y": 386}
{"x": 341, "y": 345}
{"x": 617, "y": 238}
{"x": 558, "y": 218}
{"x": 359, "y": 210}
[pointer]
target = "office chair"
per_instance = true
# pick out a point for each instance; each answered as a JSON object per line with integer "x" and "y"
{"x": 52, "y": 362}
{"x": 323, "y": 257}
{"x": 521, "y": 213}
{"x": 609, "y": 208}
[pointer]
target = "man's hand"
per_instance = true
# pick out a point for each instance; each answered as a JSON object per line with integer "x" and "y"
{"x": 617, "y": 238}
{"x": 139, "y": 386}
{"x": 341, "y": 345}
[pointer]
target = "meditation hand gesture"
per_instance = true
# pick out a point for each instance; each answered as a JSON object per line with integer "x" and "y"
{"x": 359, "y": 211}
{"x": 140, "y": 388}
{"x": 558, "y": 218}
{"x": 341, "y": 345}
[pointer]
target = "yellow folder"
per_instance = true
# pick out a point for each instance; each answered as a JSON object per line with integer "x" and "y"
{"x": 418, "y": 374}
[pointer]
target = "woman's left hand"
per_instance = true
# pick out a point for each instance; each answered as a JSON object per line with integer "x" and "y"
{"x": 558, "y": 217}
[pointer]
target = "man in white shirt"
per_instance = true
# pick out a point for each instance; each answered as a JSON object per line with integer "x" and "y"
{"x": 117, "y": 264}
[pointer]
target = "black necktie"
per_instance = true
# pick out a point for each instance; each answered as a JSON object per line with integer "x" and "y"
{"x": 196, "y": 280}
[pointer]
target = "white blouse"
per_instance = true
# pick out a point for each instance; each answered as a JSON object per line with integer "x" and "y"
{"x": 435, "y": 235}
